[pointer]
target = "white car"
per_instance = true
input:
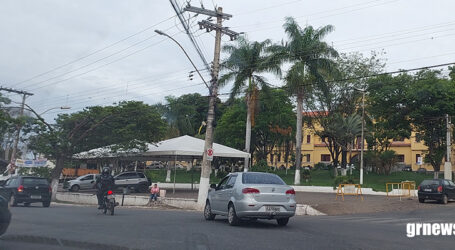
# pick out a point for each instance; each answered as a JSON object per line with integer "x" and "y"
{"x": 82, "y": 182}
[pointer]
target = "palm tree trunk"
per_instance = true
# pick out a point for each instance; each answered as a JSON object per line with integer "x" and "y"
{"x": 298, "y": 140}
{"x": 248, "y": 131}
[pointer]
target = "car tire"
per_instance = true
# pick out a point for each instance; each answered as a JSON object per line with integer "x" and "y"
{"x": 208, "y": 215}
{"x": 75, "y": 188}
{"x": 421, "y": 200}
{"x": 46, "y": 203}
{"x": 444, "y": 199}
{"x": 232, "y": 216}
{"x": 282, "y": 222}
{"x": 12, "y": 201}
{"x": 26, "y": 204}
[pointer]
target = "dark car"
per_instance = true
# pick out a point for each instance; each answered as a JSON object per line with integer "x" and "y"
{"x": 27, "y": 190}
{"x": 438, "y": 189}
{"x": 132, "y": 180}
{"x": 5, "y": 215}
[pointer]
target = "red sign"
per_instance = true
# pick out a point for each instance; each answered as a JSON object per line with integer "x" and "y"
{"x": 209, "y": 154}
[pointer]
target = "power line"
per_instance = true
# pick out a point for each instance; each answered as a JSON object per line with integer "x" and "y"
{"x": 94, "y": 52}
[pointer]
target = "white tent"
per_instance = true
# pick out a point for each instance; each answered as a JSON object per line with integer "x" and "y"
{"x": 181, "y": 147}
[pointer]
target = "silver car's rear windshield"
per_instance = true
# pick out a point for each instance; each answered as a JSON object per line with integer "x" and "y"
{"x": 261, "y": 178}
{"x": 430, "y": 182}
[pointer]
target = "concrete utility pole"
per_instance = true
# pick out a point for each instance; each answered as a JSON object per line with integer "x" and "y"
{"x": 448, "y": 163}
{"x": 213, "y": 91}
{"x": 362, "y": 137}
{"x": 19, "y": 127}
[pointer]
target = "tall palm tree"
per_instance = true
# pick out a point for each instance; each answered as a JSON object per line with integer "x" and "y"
{"x": 246, "y": 61}
{"x": 311, "y": 58}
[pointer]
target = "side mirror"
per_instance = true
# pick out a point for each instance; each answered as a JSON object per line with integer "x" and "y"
{"x": 213, "y": 186}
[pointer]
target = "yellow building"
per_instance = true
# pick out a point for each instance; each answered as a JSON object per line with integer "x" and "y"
{"x": 314, "y": 150}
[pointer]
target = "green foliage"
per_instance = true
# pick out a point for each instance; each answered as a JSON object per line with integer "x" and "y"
{"x": 342, "y": 180}
{"x": 319, "y": 166}
{"x": 43, "y": 172}
{"x": 430, "y": 98}
{"x": 221, "y": 174}
{"x": 231, "y": 126}
{"x": 261, "y": 166}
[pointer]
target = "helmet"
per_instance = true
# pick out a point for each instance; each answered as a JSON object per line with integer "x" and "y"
{"x": 106, "y": 170}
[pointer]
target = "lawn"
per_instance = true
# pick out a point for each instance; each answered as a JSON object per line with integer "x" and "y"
{"x": 318, "y": 178}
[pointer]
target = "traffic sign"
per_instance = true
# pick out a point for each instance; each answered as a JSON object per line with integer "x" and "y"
{"x": 210, "y": 154}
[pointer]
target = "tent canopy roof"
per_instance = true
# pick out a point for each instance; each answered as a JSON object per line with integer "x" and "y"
{"x": 183, "y": 146}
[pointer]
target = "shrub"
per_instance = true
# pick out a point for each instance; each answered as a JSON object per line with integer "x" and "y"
{"x": 261, "y": 166}
{"x": 342, "y": 180}
{"x": 319, "y": 165}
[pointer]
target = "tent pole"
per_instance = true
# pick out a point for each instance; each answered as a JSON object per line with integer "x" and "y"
{"x": 175, "y": 172}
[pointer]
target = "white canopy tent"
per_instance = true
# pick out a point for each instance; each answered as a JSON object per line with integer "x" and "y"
{"x": 183, "y": 147}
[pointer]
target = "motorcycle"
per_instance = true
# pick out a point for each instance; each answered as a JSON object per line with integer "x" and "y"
{"x": 109, "y": 202}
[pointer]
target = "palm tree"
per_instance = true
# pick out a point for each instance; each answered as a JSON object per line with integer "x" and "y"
{"x": 311, "y": 58}
{"x": 245, "y": 62}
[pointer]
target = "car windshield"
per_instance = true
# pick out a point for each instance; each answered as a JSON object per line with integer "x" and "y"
{"x": 430, "y": 182}
{"x": 34, "y": 181}
{"x": 261, "y": 178}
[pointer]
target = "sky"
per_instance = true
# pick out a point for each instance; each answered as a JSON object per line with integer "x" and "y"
{"x": 98, "y": 52}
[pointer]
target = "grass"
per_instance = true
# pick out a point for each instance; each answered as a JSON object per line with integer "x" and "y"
{"x": 318, "y": 178}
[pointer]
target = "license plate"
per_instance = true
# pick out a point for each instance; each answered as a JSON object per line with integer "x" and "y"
{"x": 35, "y": 196}
{"x": 110, "y": 197}
{"x": 427, "y": 190}
{"x": 272, "y": 208}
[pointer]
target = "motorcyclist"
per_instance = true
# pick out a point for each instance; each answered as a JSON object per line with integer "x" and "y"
{"x": 104, "y": 183}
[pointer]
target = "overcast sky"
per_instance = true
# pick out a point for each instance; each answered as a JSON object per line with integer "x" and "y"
{"x": 89, "y": 52}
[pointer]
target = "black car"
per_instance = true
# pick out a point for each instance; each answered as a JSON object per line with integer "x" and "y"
{"x": 27, "y": 190}
{"x": 438, "y": 189}
{"x": 5, "y": 215}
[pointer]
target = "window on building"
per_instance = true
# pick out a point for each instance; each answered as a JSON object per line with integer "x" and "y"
{"x": 308, "y": 158}
{"x": 359, "y": 142}
{"x": 400, "y": 158}
{"x": 417, "y": 158}
{"x": 271, "y": 158}
{"x": 323, "y": 139}
{"x": 308, "y": 139}
{"x": 278, "y": 157}
{"x": 325, "y": 157}
{"x": 400, "y": 138}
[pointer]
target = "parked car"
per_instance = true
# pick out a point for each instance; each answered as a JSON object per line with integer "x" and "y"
{"x": 81, "y": 183}
{"x": 251, "y": 195}
{"x": 27, "y": 190}
{"x": 5, "y": 215}
{"x": 155, "y": 165}
{"x": 132, "y": 180}
{"x": 407, "y": 169}
{"x": 437, "y": 189}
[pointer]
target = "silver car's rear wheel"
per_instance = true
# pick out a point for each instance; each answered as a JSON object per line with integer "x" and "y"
{"x": 232, "y": 216}
{"x": 208, "y": 212}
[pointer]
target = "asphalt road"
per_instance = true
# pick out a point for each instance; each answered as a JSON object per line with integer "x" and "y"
{"x": 80, "y": 227}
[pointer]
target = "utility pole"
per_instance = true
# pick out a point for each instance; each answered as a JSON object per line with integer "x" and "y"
{"x": 448, "y": 163}
{"x": 362, "y": 137}
{"x": 18, "y": 127}
{"x": 213, "y": 91}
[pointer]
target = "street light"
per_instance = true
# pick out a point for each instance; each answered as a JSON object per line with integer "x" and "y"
{"x": 362, "y": 135}
{"x": 62, "y": 107}
{"x": 199, "y": 73}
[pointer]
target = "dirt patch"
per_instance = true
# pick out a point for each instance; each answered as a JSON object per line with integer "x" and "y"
{"x": 327, "y": 204}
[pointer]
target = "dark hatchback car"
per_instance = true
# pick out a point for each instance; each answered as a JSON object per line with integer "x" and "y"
{"x": 438, "y": 189}
{"x": 27, "y": 190}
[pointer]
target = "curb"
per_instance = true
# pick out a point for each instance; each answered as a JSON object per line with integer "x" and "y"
{"x": 141, "y": 202}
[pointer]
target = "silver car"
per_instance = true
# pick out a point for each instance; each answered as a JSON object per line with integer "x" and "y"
{"x": 250, "y": 196}
{"x": 82, "y": 182}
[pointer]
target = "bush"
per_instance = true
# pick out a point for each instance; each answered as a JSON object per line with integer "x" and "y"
{"x": 221, "y": 174}
{"x": 319, "y": 166}
{"x": 306, "y": 174}
{"x": 342, "y": 180}
{"x": 261, "y": 166}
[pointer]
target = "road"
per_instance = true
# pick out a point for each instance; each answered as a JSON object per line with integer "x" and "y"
{"x": 81, "y": 227}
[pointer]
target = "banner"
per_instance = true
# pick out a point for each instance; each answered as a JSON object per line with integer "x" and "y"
{"x": 31, "y": 163}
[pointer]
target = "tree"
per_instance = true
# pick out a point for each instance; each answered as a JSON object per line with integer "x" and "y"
{"x": 310, "y": 57}
{"x": 186, "y": 113}
{"x": 430, "y": 98}
{"x": 128, "y": 125}
{"x": 246, "y": 61}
